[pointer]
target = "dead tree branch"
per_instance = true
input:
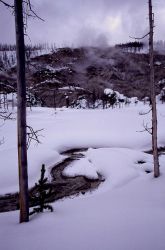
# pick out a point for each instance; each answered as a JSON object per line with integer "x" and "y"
{"x": 5, "y": 115}
{"x": 140, "y": 38}
{"x": 28, "y": 10}
{"x": 33, "y": 135}
{"x": 6, "y": 4}
{"x": 146, "y": 128}
{"x": 32, "y": 11}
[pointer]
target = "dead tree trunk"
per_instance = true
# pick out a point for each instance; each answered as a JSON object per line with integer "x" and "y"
{"x": 153, "y": 95}
{"x": 21, "y": 112}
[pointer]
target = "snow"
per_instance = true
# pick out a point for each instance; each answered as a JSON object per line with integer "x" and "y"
{"x": 48, "y": 81}
{"x": 158, "y": 63}
{"x": 120, "y": 96}
{"x": 56, "y": 69}
{"x": 72, "y": 88}
{"x": 108, "y": 91}
{"x": 117, "y": 171}
{"x": 126, "y": 212}
{"x": 65, "y": 129}
{"x": 8, "y": 58}
{"x": 81, "y": 167}
{"x": 161, "y": 81}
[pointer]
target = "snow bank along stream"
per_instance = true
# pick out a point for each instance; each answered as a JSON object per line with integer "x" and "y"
{"x": 61, "y": 184}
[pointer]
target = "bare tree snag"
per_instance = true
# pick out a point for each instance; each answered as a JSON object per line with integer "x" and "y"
{"x": 21, "y": 112}
{"x": 153, "y": 95}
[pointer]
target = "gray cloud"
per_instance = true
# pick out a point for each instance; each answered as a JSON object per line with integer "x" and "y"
{"x": 86, "y": 22}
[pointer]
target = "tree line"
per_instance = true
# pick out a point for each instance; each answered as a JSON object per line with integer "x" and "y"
{"x": 131, "y": 46}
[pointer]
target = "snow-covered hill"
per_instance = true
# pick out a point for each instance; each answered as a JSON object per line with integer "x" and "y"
{"x": 68, "y": 76}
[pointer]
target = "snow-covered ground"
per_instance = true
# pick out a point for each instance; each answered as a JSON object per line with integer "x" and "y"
{"x": 127, "y": 210}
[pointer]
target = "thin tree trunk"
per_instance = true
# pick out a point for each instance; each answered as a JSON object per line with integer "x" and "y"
{"x": 21, "y": 112}
{"x": 153, "y": 95}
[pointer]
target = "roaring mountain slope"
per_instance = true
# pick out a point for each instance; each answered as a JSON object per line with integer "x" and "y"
{"x": 66, "y": 76}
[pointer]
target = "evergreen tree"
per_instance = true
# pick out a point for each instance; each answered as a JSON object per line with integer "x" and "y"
{"x": 43, "y": 192}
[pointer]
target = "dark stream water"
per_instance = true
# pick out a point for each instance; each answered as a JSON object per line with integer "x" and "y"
{"x": 61, "y": 186}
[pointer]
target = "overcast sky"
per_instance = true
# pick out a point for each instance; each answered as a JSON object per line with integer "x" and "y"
{"x": 86, "y": 22}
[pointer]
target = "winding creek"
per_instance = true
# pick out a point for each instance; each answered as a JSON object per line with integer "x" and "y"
{"x": 61, "y": 186}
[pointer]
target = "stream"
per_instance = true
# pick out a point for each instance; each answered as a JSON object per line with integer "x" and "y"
{"x": 61, "y": 186}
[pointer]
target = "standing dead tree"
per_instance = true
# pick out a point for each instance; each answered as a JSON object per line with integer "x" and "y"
{"x": 22, "y": 9}
{"x": 153, "y": 128}
{"x": 153, "y": 94}
{"x": 21, "y": 112}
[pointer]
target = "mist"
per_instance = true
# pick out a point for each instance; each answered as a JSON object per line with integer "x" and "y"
{"x": 86, "y": 23}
